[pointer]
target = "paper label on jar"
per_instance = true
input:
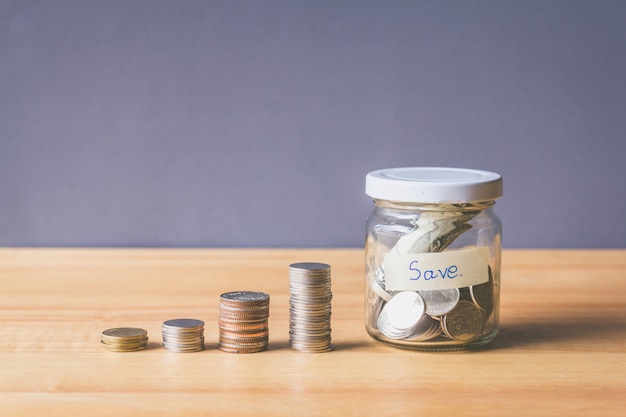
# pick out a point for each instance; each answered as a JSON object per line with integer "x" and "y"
{"x": 436, "y": 270}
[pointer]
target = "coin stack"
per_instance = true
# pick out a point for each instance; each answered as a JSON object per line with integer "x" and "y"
{"x": 183, "y": 335}
{"x": 124, "y": 339}
{"x": 310, "y": 307}
{"x": 243, "y": 322}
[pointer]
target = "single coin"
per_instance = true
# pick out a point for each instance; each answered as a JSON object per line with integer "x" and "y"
{"x": 404, "y": 310}
{"x": 464, "y": 323}
{"x": 177, "y": 324}
{"x": 310, "y": 266}
{"x": 245, "y": 296}
{"x": 120, "y": 333}
{"x": 400, "y": 315}
{"x": 439, "y": 302}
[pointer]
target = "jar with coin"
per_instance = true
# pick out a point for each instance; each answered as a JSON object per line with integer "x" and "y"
{"x": 433, "y": 257}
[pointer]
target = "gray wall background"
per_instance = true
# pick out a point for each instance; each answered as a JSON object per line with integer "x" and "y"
{"x": 253, "y": 123}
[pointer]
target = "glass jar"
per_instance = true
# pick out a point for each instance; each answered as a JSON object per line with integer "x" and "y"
{"x": 433, "y": 258}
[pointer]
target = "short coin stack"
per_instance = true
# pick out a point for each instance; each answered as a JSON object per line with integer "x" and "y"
{"x": 183, "y": 335}
{"x": 243, "y": 322}
{"x": 124, "y": 339}
{"x": 310, "y": 307}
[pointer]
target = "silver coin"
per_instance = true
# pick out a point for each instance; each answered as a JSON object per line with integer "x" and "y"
{"x": 401, "y": 314}
{"x": 427, "y": 328}
{"x": 439, "y": 302}
{"x": 179, "y": 349}
{"x": 404, "y": 310}
{"x": 388, "y": 330}
{"x": 310, "y": 266}
{"x": 310, "y": 307}
{"x": 246, "y": 296}
{"x": 183, "y": 335}
{"x": 183, "y": 324}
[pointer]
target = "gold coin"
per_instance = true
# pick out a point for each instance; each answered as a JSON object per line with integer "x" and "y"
{"x": 125, "y": 344}
{"x": 111, "y": 348}
{"x": 124, "y": 333}
{"x": 464, "y": 323}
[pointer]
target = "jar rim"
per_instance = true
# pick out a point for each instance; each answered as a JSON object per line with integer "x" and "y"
{"x": 433, "y": 185}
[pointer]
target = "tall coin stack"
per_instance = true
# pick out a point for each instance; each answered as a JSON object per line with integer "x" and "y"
{"x": 310, "y": 308}
{"x": 243, "y": 322}
{"x": 183, "y": 335}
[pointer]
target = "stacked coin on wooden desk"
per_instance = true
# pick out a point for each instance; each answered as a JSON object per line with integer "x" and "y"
{"x": 183, "y": 335}
{"x": 310, "y": 307}
{"x": 124, "y": 339}
{"x": 243, "y": 321}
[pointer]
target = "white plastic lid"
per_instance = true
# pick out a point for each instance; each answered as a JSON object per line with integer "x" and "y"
{"x": 433, "y": 185}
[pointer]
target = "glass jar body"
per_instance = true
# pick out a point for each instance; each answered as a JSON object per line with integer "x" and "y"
{"x": 433, "y": 275}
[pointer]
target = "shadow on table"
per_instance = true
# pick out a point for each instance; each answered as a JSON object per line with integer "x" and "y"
{"x": 569, "y": 333}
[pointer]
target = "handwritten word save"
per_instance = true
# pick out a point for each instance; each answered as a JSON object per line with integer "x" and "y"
{"x": 449, "y": 272}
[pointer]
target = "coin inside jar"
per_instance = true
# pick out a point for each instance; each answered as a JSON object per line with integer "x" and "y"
{"x": 464, "y": 323}
{"x": 482, "y": 294}
{"x": 401, "y": 314}
{"x": 439, "y": 302}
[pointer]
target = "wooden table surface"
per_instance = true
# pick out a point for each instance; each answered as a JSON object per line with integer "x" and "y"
{"x": 561, "y": 347}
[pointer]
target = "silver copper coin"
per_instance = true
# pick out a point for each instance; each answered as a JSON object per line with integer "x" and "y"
{"x": 243, "y": 322}
{"x": 238, "y": 297}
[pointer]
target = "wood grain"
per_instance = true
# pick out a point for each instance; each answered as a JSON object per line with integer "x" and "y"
{"x": 561, "y": 348}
